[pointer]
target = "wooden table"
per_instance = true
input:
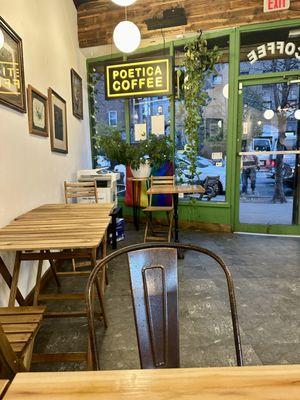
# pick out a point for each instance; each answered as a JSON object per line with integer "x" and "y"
{"x": 3, "y": 385}
{"x": 51, "y": 232}
{"x": 175, "y": 190}
{"x": 232, "y": 383}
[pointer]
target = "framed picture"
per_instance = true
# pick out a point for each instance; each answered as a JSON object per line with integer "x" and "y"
{"x": 12, "y": 85}
{"x": 58, "y": 122}
{"x": 77, "y": 102}
{"x": 37, "y": 112}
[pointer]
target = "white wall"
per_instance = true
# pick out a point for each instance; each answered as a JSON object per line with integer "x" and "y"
{"x": 30, "y": 174}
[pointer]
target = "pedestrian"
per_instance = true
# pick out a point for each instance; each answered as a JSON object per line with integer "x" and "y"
{"x": 249, "y": 167}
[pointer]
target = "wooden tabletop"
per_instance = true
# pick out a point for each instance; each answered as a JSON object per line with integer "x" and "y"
{"x": 3, "y": 385}
{"x": 57, "y": 226}
{"x": 173, "y": 189}
{"x": 141, "y": 179}
{"x": 232, "y": 383}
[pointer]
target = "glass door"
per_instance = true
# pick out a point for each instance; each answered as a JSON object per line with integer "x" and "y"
{"x": 268, "y": 156}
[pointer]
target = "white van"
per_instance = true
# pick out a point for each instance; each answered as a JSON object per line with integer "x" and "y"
{"x": 262, "y": 144}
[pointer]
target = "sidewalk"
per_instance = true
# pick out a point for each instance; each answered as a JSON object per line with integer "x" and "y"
{"x": 266, "y": 213}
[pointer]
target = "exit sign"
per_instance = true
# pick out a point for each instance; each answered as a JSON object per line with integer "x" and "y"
{"x": 276, "y": 5}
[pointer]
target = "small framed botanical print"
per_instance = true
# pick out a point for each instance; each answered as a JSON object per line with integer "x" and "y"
{"x": 77, "y": 102}
{"x": 12, "y": 85}
{"x": 37, "y": 112}
{"x": 58, "y": 122}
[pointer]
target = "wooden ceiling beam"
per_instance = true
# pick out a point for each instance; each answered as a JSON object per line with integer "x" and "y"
{"x": 97, "y": 18}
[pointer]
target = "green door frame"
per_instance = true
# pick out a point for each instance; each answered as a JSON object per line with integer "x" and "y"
{"x": 257, "y": 228}
{"x": 223, "y": 213}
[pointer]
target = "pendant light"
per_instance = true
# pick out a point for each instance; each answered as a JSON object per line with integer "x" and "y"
{"x": 126, "y": 35}
{"x": 124, "y": 3}
{"x": 269, "y": 114}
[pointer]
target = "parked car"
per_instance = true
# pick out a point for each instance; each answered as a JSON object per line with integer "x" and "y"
{"x": 289, "y": 160}
{"x": 290, "y": 143}
{"x": 205, "y": 167}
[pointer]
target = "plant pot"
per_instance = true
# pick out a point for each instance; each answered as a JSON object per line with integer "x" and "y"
{"x": 143, "y": 171}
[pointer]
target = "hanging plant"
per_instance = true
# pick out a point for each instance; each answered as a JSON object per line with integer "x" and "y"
{"x": 199, "y": 63}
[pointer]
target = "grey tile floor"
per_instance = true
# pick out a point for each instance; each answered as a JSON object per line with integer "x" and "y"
{"x": 266, "y": 272}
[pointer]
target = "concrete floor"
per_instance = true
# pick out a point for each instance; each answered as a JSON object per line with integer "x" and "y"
{"x": 266, "y": 272}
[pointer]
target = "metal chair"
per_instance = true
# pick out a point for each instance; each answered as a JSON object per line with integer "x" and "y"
{"x": 154, "y": 282}
{"x": 169, "y": 209}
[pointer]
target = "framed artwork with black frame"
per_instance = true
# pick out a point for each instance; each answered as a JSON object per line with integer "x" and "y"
{"x": 37, "y": 112}
{"x": 12, "y": 83}
{"x": 77, "y": 100}
{"x": 58, "y": 122}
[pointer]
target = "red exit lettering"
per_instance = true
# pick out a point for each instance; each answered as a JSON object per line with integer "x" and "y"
{"x": 276, "y": 5}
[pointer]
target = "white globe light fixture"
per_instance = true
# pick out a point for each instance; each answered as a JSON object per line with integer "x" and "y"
{"x": 124, "y": 3}
{"x": 297, "y": 114}
{"x": 1, "y": 39}
{"x": 268, "y": 114}
{"x": 127, "y": 36}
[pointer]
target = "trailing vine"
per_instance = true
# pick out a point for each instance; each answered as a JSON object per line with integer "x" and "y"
{"x": 199, "y": 63}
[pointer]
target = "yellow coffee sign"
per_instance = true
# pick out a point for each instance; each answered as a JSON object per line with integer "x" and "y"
{"x": 140, "y": 78}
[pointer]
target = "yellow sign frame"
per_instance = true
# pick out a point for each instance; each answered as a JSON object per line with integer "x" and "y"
{"x": 166, "y": 91}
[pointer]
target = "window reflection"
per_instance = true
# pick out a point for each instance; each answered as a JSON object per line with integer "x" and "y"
{"x": 106, "y": 115}
{"x": 149, "y": 115}
{"x": 269, "y": 51}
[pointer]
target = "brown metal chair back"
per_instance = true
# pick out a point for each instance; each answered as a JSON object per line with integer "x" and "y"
{"x": 77, "y": 190}
{"x": 153, "y": 275}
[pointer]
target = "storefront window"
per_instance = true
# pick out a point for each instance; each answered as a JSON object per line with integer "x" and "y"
{"x": 106, "y": 115}
{"x": 149, "y": 115}
{"x": 212, "y": 152}
{"x": 270, "y": 51}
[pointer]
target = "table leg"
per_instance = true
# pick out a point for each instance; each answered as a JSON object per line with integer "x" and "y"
{"x": 104, "y": 275}
{"x": 114, "y": 231}
{"x": 4, "y": 272}
{"x": 15, "y": 279}
{"x": 134, "y": 206}
{"x": 175, "y": 201}
{"x": 38, "y": 282}
{"x": 176, "y": 218}
{"x": 53, "y": 266}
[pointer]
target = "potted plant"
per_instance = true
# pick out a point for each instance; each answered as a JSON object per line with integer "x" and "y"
{"x": 141, "y": 156}
{"x": 140, "y": 166}
{"x": 160, "y": 150}
{"x": 111, "y": 145}
{"x": 118, "y": 151}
